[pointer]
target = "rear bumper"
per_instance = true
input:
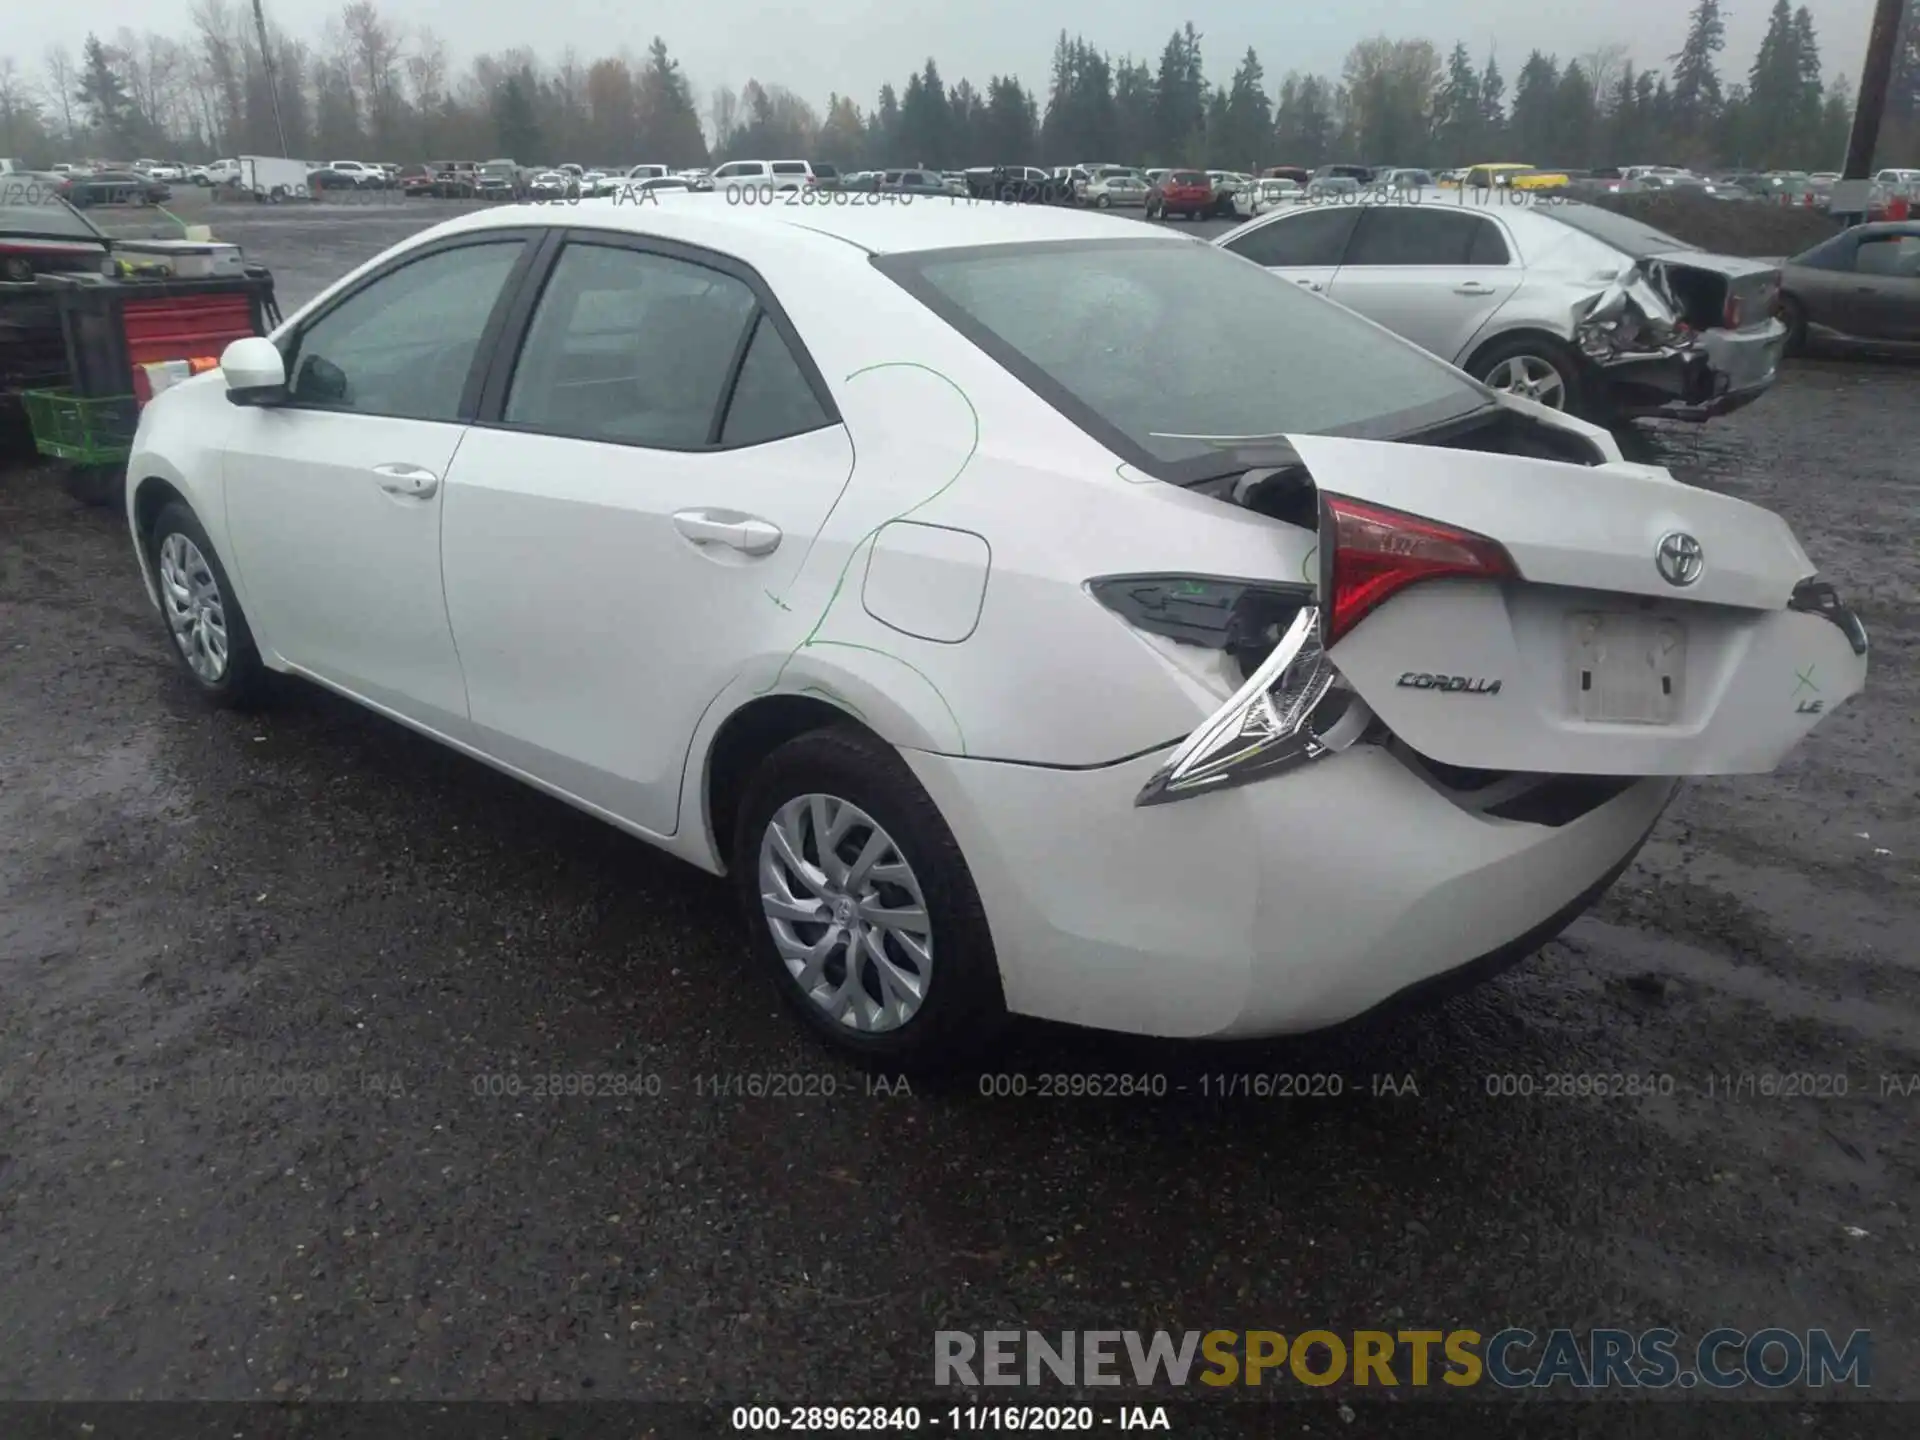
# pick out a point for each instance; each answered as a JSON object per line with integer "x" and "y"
{"x": 1729, "y": 369}
{"x": 1289, "y": 905}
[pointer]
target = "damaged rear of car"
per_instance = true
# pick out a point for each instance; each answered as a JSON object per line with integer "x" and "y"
{"x": 1680, "y": 332}
{"x": 1567, "y": 304}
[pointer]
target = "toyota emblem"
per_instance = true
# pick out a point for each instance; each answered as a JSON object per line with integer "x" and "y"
{"x": 1679, "y": 557}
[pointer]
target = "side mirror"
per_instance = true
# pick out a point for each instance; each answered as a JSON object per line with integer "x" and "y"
{"x": 255, "y": 371}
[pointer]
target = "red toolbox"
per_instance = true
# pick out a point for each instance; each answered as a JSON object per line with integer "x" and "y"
{"x": 131, "y": 337}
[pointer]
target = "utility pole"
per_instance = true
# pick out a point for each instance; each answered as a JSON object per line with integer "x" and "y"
{"x": 1876, "y": 76}
{"x": 273, "y": 89}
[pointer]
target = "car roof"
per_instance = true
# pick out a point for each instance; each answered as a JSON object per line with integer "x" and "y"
{"x": 930, "y": 223}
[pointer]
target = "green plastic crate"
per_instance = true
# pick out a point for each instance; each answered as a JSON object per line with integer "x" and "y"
{"x": 87, "y": 430}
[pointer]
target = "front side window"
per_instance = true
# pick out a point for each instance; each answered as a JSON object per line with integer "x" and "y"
{"x": 630, "y": 347}
{"x": 1310, "y": 238}
{"x": 404, "y": 344}
{"x": 1106, "y": 332}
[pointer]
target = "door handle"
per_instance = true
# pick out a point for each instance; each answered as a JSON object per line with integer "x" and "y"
{"x": 1473, "y": 287}
{"x": 408, "y": 480}
{"x": 1310, "y": 284}
{"x": 748, "y": 534}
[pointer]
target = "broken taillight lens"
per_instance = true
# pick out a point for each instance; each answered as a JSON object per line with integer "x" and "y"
{"x": 1371, "y": 553}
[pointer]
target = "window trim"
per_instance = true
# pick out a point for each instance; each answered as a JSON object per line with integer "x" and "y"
{"x": 517, "y": 325}
{"x": 288, "y": 341}
{"x": 1473, "y": 216}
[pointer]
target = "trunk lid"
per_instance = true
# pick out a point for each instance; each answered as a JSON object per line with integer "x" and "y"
{"x": 1590, "y": 661}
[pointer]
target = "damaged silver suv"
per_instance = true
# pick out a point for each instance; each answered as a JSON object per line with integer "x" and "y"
{"x": 1566, "y": 304}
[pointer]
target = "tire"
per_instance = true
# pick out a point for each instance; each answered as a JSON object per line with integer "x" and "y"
{"x": 1103, "y": 202}
{"x": 1529, "y": 352}
{"x": 1794, "y": 316}
{"x": 960, "y": 1009}
{"x": 241, "y": 681}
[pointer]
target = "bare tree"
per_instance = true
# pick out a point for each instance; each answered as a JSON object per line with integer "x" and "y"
{"x": 61, "y": 80}
{"x": 723, "y": 114}
{"x": 1604, "y": 65}
{"x": 19, "y": 109}
{"x": 223, "y": 54}
{"x": 372, "y": 55}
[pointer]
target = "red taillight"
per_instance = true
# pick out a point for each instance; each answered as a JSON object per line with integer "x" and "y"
{"x": 1374, "y": 553}
{"x": 1730, "y": 317}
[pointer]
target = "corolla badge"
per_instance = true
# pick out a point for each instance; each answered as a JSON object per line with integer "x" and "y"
{"x": 1679, "y": 558}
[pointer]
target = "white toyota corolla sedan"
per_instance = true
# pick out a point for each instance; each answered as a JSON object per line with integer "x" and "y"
{"x": 1031, "y": 611}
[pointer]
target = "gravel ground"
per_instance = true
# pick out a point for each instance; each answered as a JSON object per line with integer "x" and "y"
{"x": 207, "y": 921}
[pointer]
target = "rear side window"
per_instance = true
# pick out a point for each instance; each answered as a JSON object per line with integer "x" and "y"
{"x": 1423, "y": 235}
{"x": 771, "y": 399}
{"x": 789, "y": 167}
{"x": 629, "y": 347}
{"x": 1313, "y": 237}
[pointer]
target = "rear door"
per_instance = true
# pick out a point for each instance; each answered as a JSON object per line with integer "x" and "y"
{"x": 1432, "y": 273}
{"x": 659, "y": 452}
{"x": 1598, "y": 657}
{"x": 1302, "y": 245}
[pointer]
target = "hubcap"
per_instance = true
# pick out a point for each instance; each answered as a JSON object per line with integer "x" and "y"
{"x": 1530, "y": 377}
{"x": 195, "y": 612}
{"x": 847, "y": 913}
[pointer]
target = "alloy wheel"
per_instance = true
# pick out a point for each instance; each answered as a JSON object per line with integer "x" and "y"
{"x": 1532, "y": 378}
{"x": 847, "y": 913}
{"x": 196, "y": 611}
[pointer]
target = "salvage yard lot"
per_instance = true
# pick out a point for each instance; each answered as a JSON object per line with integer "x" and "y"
{"x": 277, "y": 994}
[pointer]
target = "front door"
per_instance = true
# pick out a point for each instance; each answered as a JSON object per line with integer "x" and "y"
{"x": 333, "y": 499}
{"x": 1303, "y": 246}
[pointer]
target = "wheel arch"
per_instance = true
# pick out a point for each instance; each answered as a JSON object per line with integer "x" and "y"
{"x": 1518, "y": 329}
{"x": 146, "y": 500}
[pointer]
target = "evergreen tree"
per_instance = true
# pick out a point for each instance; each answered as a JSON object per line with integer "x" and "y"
{"x": 1535, "y": 110}
{"x": 515, "y": 128}
{"x": 1245, "y": 130}
{"x": 1179, "y": 99}
{"x": 669, "y": 123}
{"x": 1458, "y": 119}
{"x": 1574, "y": 110}
{"x": 1009, "y": 129}
{"x": 1493, "y": 108}
{"x": 1696, "y": 83}
{"x": 102, "y": 94}
{"x": 1133, "y": 112}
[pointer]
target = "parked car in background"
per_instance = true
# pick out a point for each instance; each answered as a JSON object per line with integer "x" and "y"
{"x": 1265, "y": 195}
{"x": 497, "y": 180}
{"x": 1181, "y": 195}
{"x": 1404, "y": 179}
{"x": 115, "y": 187}
{"x": 463, "y": 486}
{"x": 1324, "y": 188}
{"x": 1517, "y": 295}
{"x": 1360, "y": 174}
{"x": 1509, "y": 175}
{"x": 647, "y": 172}
{"x": 364, "y": 176}
{"x": 417, "y": 180}
{"x": 1296, "y": 173}
{"x": 553, "y": 185}
{"x": 42, "y": 234}
{"x": 1863, "y": 284}
{"x": 1789, "y": 187}
{"x": 327, "y": 179}
{"x": 1017, "y": 185}
{"x": 455, "y": 179}
{"x": 1115, "y": 186}
{"x": 1227, "y": 184}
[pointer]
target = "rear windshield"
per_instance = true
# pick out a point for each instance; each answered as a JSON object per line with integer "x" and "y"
{"x": 1630, "y": 236}
{"x": 1148, "y": 343}
{"x": 31, "y": 207}
{"x": 1187, "y": 177}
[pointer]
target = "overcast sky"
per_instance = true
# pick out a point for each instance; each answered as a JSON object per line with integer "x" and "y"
{"x": 852, "y": 46}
